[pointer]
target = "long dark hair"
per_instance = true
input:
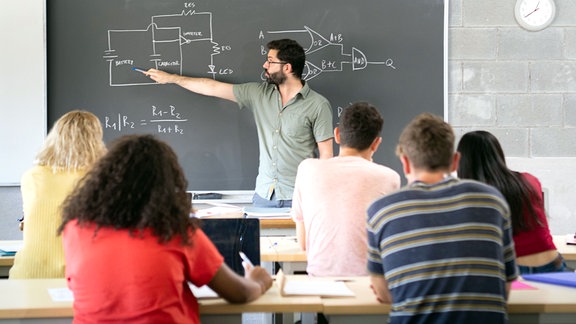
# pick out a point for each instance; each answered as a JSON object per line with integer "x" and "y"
{"x": 137, "y": 185}
{"x": 482, "y": 159}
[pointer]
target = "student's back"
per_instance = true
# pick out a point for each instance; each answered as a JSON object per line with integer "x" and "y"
{"x": 334, "y": 195}
{"x": 73, "y": 144}
{"x": 440, "y": 249}
{"x": 123, "y": 278}
{"x": 442, "y": 258}
{"x": 331, "y": 196}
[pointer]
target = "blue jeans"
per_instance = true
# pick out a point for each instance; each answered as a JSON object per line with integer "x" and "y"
{"x": 558, "y": 265}
{"x": 258, "y": 201}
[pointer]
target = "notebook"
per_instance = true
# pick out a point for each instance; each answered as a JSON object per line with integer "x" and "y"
{"x": 555, "y": 278}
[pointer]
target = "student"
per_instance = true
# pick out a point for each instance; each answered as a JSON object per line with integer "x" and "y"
{"x": 440, "y": 249}
{"x": 131, "y": 247}
{"x": 291, "y": 119}
{"x": 331, "y": 196}
{"x": 482, "y": 159}
{"x": 73, "y": 144}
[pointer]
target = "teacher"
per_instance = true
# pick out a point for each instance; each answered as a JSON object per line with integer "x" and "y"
{"x": 292, "y": 120}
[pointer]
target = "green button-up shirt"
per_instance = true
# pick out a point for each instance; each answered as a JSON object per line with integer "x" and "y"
{"x": 286, "y": 134}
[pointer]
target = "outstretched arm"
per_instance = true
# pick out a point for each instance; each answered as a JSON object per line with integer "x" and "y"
{"x": 203, "y": 86}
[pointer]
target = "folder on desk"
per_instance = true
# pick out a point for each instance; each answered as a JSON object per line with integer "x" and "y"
{"x": 556, "y": 278}
{"x": 311, "y": 287}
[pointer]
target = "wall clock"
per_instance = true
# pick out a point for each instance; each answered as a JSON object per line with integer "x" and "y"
{"x": 535, "y": 15}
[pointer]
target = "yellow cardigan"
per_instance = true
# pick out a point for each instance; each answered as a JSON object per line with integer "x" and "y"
{"x": 43, "y": 191}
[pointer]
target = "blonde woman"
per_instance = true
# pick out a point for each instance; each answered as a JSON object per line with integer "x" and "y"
{"x": 73, "y": 144}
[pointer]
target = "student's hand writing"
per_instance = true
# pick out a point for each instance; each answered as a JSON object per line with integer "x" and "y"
{"x": 260, "y": 275}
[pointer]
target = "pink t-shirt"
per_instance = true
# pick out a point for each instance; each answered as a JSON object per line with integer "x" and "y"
{"x": 120, "y": 278}
{"x": 330, "y": 198}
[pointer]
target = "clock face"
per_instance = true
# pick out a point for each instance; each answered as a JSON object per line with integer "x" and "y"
{"x": 535, "y": 14}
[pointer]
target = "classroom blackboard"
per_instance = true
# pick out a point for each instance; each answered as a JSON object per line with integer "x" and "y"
{"x": 389, "y": 52}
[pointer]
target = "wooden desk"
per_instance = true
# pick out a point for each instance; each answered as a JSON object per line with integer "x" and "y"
{"x": 281, "y": 249}
{"x": 272, "y": 249}
{"x": 6, "y": 262}
{"x": 277, "y": 226}
{"x": 29, "y": 299}
{"x": 266, "y": 223}
{"x": 547, "y": 304}
{"x": 567, "y": 251}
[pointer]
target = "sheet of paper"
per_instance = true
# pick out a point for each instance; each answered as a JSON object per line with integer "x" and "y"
{"x": 202, "y": 292}
{"x": 323, "y": 288}
{"x": 61, "y": 294}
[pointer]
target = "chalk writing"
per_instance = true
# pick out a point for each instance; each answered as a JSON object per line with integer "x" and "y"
{"x": 171, "y": 36}
{"x": 163, "y": 121}
{"x": 325, "y": 54}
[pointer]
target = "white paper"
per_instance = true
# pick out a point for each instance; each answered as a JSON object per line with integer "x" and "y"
{"x": 324, "y": 288}
{"x": 61, "y": 294}
{"x": 202, "y": 292}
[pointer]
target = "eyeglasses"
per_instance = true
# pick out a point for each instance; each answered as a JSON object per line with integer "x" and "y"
{"x": 272, "y": 62}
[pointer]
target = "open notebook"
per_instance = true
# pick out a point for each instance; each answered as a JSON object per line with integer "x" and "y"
{"x": 311, "y": 287}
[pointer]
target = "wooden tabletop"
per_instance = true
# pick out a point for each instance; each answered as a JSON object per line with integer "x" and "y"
{"x": 286, "y": 249}
{"x": 266, "y": 223}
{"x": 31, "y": 299}
{"x": 281, "y": 249}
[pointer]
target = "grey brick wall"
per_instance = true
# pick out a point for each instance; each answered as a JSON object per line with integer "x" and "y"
{"x": 521, "y": 86}
{"x": 504, "y": 77}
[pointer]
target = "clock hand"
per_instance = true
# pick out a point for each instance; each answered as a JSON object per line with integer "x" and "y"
{"x": 533, "y": 11}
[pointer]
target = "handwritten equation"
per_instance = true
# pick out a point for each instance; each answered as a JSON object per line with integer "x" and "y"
{"x": 162, "y": 121}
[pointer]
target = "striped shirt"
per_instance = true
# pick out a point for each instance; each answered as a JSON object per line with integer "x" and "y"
{"x": 445, "y": 250}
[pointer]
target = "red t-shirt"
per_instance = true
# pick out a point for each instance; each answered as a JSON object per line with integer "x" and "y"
{"x": 538, "y": 239}
{"x": 120, "y": 278}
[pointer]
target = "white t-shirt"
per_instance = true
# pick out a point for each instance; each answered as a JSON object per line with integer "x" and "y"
{"x": 331, "y": 197}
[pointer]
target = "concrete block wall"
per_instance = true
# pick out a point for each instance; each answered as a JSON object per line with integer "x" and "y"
{"x": 521, "y": 86}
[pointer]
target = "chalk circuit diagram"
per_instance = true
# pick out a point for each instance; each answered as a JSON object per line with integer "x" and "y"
{"x": 327, "y": 54}
{"x": 170, "y": 42}
{"x": 164, "y": 44}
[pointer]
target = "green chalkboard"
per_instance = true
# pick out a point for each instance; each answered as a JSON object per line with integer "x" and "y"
{"x": 388, "y": 52}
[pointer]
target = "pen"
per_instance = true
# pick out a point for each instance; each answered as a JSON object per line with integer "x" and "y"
{"x": 245, "y": 259}
{"x": 138, "y": 70}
